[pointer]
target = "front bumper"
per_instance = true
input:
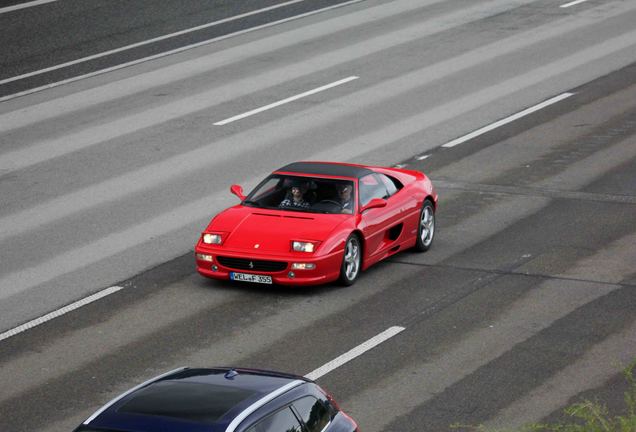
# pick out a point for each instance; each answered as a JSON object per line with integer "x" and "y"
{"x": 327, "y": 266}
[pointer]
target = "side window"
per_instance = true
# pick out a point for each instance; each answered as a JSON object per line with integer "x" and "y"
{"x": 392, "y": 185}
{"x": 371, "y": 186}
{"x": 314, "y": 413}
{"x": 267, "y": 193}
{"x": 281, "y": 421}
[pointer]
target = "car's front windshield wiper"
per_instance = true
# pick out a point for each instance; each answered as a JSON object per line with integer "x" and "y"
{"x": 251, "y": 203}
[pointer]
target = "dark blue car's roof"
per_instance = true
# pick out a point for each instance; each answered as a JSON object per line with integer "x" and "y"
{"x": 191, "y": 400}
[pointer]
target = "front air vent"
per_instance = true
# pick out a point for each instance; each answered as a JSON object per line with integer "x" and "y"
{"x": 254, "y": 265}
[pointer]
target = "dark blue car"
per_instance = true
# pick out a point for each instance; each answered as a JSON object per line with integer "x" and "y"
{"x": 222, "y": 400}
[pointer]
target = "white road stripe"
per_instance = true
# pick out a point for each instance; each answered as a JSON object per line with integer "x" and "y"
{"x": 609, "y": 265}
{"x": 168, "y": 222}
{"x": 48, "y": 149}
{"x": 163, "y": 54}
{"x": 161, "y": 172}
{"x": 420, "y": 381}
{"x": 166, "y": 75}
{"x": 355, "y": 352}
{"x": 24, "y": 5}
{"x": 536, "y": 310}
{"x": 409, "y": 126}
{"x": 593, "y": 369}
{"x": 509, "y": 119}
{"x": 146, "y": 42}
{"x": 78, "y": 304}
{"x": 284, "y": 101}
{"x": 140, "y": 235}
{"x": 572, "y": 3}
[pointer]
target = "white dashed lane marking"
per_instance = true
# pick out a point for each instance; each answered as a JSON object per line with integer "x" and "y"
{"x": 284, "y": 101}
{"x": 355, "y": 352}
{"x": 507, "y": 120}
{"x": 572, "y": 3}
{"x": 66, "y": 309}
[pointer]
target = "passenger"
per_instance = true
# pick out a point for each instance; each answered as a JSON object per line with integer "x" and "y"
{"x": 344, "y": 197}
{"x": 295, "y": 198}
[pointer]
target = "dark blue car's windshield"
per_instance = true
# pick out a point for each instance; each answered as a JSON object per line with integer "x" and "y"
{"x": 304, "y": 194}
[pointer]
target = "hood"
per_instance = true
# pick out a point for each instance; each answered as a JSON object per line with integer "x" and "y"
{"x": 272, "y": 230}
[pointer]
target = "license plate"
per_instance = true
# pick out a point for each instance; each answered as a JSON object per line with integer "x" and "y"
{"x": 246, "y": 277}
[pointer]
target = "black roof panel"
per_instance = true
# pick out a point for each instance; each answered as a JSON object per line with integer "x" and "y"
{"x": 202, "y": 395}
{"x": 194, "y": 401}
{"x": 326, "y": 168}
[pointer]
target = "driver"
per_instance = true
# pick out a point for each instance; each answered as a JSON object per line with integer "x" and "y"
{"x": 344, "y": 198}
{"x": 295, "y": 197}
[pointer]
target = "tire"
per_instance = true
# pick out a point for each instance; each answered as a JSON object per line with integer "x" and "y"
{"x": 351, "y": 261}
{"x": 425, "y": 227}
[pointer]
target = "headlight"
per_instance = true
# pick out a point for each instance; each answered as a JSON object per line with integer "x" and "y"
{"x": 299, "y": 246}
{"x": 212, "y": 238}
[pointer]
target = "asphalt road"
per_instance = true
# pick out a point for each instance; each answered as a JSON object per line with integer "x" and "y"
{"x": 44, "y": 44}
{"x": 525, "y": 303}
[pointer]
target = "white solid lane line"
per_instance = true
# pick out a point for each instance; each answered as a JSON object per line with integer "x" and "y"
{"x": 355, "y": 352}
{"x": 502, "y": 122}
{"x": 168, "y": 36}
{"x": 284, "y": 101}
{"x": 146, "y": 42}
{"x": 572, "y": 3}
{"x": 66, "y": 309}
{"x": 24, "y": 5}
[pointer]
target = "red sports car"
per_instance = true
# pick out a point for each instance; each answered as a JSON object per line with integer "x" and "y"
{"x": 314, "y": 222}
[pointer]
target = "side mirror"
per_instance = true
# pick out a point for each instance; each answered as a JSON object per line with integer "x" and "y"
{"x": 238, "y": 191}
{"x": 374, "y": 203}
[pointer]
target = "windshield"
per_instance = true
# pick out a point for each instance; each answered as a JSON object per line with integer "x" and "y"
{"x": 304, "y": 194}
